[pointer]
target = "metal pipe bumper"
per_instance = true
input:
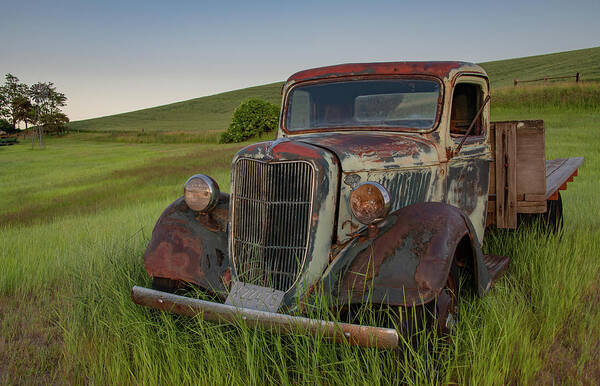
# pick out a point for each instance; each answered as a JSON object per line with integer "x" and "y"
{"x": 364, "y": 336}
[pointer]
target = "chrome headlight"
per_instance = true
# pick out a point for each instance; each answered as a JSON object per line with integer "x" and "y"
{"x": 369, "y": 202}
{"x": 201, "y": 193}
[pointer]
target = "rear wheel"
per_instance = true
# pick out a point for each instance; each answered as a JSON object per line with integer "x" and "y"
{"x": 549, "y": 222}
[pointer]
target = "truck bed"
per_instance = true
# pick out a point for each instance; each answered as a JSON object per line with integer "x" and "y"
{"x": 558, "y": 172}
{"x": 523, "y": 180}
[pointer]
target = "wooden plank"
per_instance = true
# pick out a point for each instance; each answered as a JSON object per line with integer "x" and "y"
{"x": 558, "y": 173}
{"x": 492, "y": 177}
{"x": 500, "y": 174}
{"x": 490, "y": 218}
{"x": 511, "y": 178}
{"x": 531, "y": 207}
{"x": 531, "y": 158}
{"x": 506, "y": 176}
{"x": 553, "y": 164}
{"x": 534, "y": 197}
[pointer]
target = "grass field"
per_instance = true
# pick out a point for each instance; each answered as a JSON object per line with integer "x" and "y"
{"x": 76, "y": 217}
{"x": 202, "y": 119}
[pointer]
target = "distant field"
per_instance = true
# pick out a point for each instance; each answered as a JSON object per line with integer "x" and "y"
{"x": 586, "y": 62}
{"x": 76, "y": 217}
{"x": 202, "y": 119}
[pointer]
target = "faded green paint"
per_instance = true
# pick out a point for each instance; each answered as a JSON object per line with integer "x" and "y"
{"x": 420, "y": 169}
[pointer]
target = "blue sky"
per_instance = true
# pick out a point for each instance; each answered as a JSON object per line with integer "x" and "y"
{"x": 115, "y": 56}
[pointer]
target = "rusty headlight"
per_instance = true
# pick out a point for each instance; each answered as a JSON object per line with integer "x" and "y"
{"x": 201, "y": 193}
{"x": 369, "y": 202}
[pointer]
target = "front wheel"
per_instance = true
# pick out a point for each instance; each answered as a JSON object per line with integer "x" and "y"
{"x": 438, "y": 316}
{"x": 165, "y": 285}
{"x": 447, "y": 303}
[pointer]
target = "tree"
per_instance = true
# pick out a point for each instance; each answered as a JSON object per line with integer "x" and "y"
{"x": 38, "y": 105}
{"x": 54, "y": 122}
{"x": 47, "y": 103}
{"x": 22, "y": 109}
{"x": 12, "y": 92}
{"x": 4, "y": 103}
{"x": 251, "y": 118}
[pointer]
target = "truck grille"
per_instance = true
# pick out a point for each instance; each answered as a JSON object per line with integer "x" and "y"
{"x": 270, "y": 221}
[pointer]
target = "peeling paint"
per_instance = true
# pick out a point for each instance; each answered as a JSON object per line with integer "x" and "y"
{"x": 437, "y": 199}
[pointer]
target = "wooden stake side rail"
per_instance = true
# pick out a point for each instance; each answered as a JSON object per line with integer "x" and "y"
{"x": 506, "y": 176}
{"x": 521, "y": 179}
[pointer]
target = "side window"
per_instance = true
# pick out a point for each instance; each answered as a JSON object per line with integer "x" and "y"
{"x": 466, "y": 101}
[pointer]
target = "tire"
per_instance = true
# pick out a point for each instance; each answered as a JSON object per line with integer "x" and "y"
{"x": 164, "y": 284}
{"x": 438, "y": 316}
{"x": 549, "y": 222}
{"x": 554, "y": 215}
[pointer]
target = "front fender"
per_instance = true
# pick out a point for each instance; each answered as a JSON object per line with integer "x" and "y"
{"x": 408, "y": 262}
{"x": 191, "y": 247}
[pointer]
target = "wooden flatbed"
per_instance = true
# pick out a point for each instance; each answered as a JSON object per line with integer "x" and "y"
{"x": 559, "y": 172}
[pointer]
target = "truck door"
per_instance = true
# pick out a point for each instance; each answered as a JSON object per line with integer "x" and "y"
{"x": 468, "y": 171}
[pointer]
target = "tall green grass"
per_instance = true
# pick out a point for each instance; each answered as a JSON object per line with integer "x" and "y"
{"x": 576, "y": 97}
{"x": 86, "y": 265}
{"x": 69, "y": 265}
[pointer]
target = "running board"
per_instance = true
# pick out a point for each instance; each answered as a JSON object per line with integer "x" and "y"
{"x": 496, "y": 265}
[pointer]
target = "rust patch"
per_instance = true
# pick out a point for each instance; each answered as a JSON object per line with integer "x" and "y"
{"x": 227, "y": 278}
{"x": 380, "y": 145}
{"x": 174, "y": 254}
{"x": 298, "y": 149}
{"x": 437, "y": 69}
{"x": 188, "y": 248}
{"x": 409, "y": 260}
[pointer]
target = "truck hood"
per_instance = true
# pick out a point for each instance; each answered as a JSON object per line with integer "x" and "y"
{"x": 374, "y": 151}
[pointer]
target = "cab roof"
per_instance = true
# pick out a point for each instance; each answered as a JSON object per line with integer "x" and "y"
{"x": 438, "y": 69}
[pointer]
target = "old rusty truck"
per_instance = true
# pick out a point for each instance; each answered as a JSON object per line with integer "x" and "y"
{"x": 378, "y": 187}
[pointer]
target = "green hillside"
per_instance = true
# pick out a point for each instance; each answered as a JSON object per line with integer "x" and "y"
{"x": 212, "y": 114}
{"x": 586, "y": 62}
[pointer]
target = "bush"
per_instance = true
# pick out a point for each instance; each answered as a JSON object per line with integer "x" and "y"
{"x": 5, "y": 126}
{"x": 250, "y": 119}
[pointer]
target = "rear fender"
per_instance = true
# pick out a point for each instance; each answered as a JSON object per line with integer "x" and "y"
{"x": 409, "y": 260}
{"x": 191, "y": 247}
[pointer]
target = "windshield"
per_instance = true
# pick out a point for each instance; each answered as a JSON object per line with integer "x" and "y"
{"x": 404, "y": 103}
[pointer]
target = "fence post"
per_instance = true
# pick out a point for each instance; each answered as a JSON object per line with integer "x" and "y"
{"x": 577, "y": 78}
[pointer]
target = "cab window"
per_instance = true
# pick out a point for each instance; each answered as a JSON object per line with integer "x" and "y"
{"x": 466, "y": 100}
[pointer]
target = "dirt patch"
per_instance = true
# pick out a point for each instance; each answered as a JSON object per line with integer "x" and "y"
{"x": 30, "y": 342}
{"x": 574, "y": 356}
